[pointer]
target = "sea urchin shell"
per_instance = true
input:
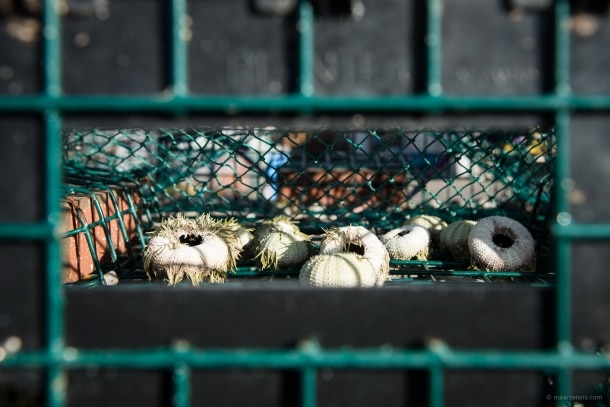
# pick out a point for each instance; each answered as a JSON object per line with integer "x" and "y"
{"x": 338, "y": 270}
{"x": 454, "y": 239}
{"x": 498, "y": 243}
{"x": 434, "y": 224}
{"x": 359, "y": 240}
{"x": 407, "y": 242}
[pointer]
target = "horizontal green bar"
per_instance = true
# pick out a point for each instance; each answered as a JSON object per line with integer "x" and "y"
{"x": 379, "y": 358}
{"x": 297, "y": 103}
{"x": 27, "y": 231}
{"x": 582, "y": 231}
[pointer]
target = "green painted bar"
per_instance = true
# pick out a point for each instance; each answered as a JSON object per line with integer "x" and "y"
{"x": 57, "y": 382}
{"x": 434, "y": 47}
{"x": 251, "y": 271}
{"x": 55, "y": 301}
{"x": 54, "y": 296}
{"x": 182, "y": 385}
{"x": 563, "y": 246}
{"x": 51, "y": 35}
{"x": 436, "y": 392}
{"x": 582, "y": 231}
{"x": 179, "y": 47}
{"x": 309, "y": 388}
{"x": 306, "y": 49}
{"x": 42, "y": 230}
{"x": 436, "y": 388}
{"x": 344, "y": 358}
{"x": 296, "y": 103}
{"x": 563, "y": 380}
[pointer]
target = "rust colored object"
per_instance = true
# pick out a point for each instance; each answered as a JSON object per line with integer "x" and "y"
{"x": 96, "y": 215}
{"x": 329, "y": 188}
{"x": 77, "y": 255}
{"x": 70, "y": 259}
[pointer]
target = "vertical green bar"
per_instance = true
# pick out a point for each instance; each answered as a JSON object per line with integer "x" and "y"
{"x": 308, "y": 387}
{"x": 562, "y": 173}
{"x": 306, "y": 48}
{"x": 55, "y": 297}
{"x": 180, "y": 33}
{"x": 51, "y": 32}
{"x": 436, "y": 388}
{"x": 182, "y": 385}
{"x": 563, "y": 245}
{"x": 56, "y": 376}
{"x": 433, "y": 47}
{"x": 563, "y": 251}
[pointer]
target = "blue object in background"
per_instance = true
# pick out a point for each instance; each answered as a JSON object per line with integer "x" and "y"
{"x": 277, "y": 158}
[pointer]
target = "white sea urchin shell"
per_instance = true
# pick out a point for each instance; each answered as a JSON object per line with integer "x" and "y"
{"x": 434, "y": 224}
{"x": 338, "y": 270}
{"x": 498, "y": 243}
{"x": 359, "y": 240}
{"x": 454, "y": 239}
{"x": 407, "y": 242}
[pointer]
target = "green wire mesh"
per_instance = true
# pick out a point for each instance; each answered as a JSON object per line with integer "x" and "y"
{"x": 324, "y": 178}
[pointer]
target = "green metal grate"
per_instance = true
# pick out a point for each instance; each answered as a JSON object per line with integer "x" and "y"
{"x": 57, "y": 359}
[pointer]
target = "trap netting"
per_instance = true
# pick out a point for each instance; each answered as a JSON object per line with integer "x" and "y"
{"x": 322, "y": 178}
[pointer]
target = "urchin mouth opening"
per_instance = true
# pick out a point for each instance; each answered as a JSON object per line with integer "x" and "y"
{"x": 403, "y": 233}
{"x": 503, "y": 240}
{"x": 355, "y": 248}
{"x": 191, "y": 240}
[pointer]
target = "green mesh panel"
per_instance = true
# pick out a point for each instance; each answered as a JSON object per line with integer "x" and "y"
{"x": 324, "y": 178}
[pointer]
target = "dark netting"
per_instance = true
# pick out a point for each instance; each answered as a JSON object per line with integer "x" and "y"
{"x": 323, "y": 177}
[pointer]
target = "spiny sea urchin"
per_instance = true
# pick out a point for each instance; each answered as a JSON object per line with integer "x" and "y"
{"x": 199, "y": 249}
{"x": 280, "y": 243}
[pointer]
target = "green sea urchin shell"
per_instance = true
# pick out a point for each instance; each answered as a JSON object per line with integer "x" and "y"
{"x": 454, "y": 239}
{"x": 343, "y": 269}
{"x": 359, "y": 240}
{"x": 407, "y": 242}
{"x": 498, "y": 243}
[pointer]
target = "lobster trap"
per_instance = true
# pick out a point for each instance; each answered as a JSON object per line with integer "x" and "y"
{"x": 379, "y": 179}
